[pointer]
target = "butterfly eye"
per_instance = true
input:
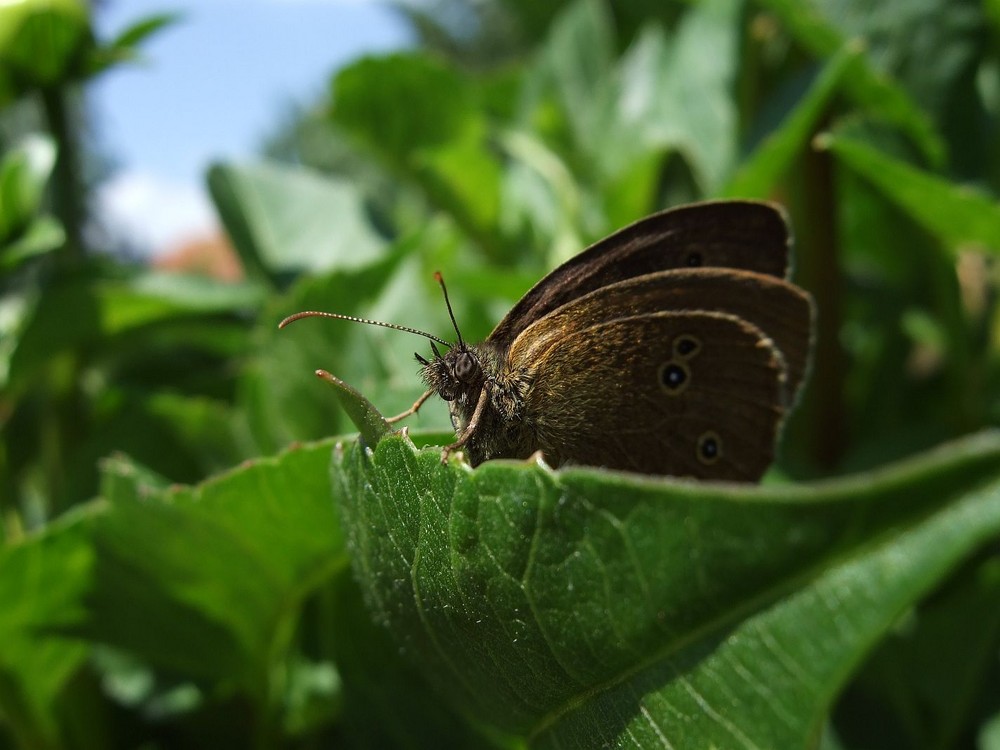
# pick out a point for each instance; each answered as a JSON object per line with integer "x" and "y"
{"x": 694, "y": 260}
{"x": 466, "y": 367}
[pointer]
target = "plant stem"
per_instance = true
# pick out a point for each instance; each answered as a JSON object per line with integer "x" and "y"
{"x": 67, "y": 185}
{"x": 820, "y": 273}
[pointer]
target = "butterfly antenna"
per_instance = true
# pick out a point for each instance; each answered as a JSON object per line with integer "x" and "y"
{"x": 440, "y": 280}
{"x": 336, "y": 316}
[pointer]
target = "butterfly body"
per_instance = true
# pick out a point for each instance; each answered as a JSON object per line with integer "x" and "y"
{"x": 505, "y": 427}
{"x": 466, "y": 374}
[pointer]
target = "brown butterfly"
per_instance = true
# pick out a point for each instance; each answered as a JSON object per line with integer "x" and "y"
{"x": 674, "y": 346}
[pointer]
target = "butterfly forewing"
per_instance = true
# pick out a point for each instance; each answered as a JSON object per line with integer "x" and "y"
{"x": 744, "y": 235}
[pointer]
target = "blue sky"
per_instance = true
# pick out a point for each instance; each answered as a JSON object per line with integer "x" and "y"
{"x": 210, "y": 87}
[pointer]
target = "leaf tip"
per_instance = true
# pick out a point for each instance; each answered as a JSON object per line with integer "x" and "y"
{"x": 369, "y": 420}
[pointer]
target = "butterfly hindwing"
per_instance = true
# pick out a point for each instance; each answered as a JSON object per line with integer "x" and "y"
{"x": 683, "y": 393}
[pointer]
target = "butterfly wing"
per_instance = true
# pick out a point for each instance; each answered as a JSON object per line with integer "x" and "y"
{"x": 773, "y": 305}
{"x": 746, "y": 235}
{"x": 635, "y": 394}
{"x": 597, "y": 368}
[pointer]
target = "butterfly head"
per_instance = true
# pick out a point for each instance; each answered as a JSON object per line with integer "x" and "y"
{"x": 458, "y": 374}
{"x": 453, "y": 374}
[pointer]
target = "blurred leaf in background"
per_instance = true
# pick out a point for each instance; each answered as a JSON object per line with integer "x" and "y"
{"x": 152, "y": 594}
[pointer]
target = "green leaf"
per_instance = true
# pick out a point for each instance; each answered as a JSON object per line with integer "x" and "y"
{"x": 43, "y": 235}
{"x": 41, "y": 41}
{"x": 688, "y": 94}
{"x": 42, "y": 583}
{"x": 24, "y": 172}
{"x": 441, "y": 143}
{"x": 664, "y": 93}
{"x": 124, "y": 47}
{"x": 207, "y": 585}
{"x": 136, "y": 33}
{"x": 582, "y": 607}
{"x": 758, "y": 175}
{"x": 930, "y": 666}
{"x": 868, "y": 87}
{"x": 283, "y": 398}
{"x": 579, "y": 56}
{"x": 958, "y": 215}
{"x": 369, "y": 421}
{"x": 285, "y": 220}
{"x": 370, "y": 95}
{"x": 89, "y": 310}
{"x": 207, "y": 581}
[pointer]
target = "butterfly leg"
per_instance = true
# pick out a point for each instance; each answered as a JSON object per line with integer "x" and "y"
{"x": 469, "y": 428}
{"x": 413, "y": 409}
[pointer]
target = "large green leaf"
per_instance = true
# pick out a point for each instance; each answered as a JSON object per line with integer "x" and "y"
{"x": 582, "y": 608}
{"x": 239, "y": 585}
{"x": 207, "y": 581}
{"x": 285, "y": 220}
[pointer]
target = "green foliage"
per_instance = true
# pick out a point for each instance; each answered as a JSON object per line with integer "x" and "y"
{"x": 25, "y": 230}
{"x": 357, "y": 593}
{"x": 40, "y": 42}
{"x": 284, "y": 222}
{"x": 959, "y": 217}
{"x": 583, "y": 609}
